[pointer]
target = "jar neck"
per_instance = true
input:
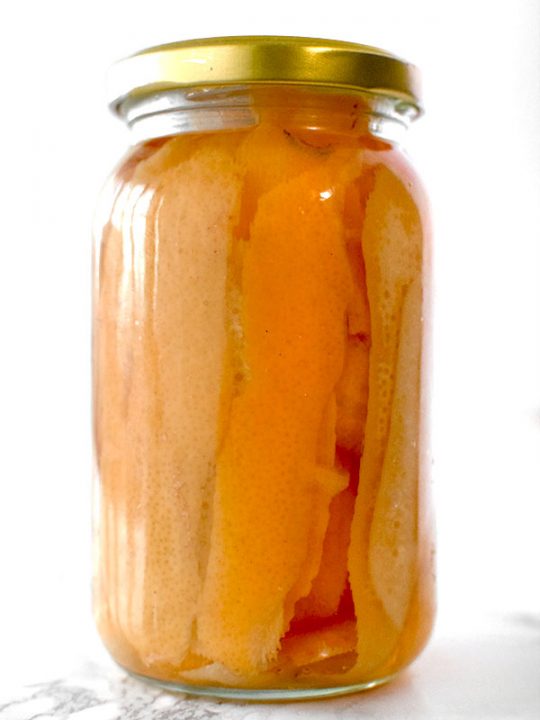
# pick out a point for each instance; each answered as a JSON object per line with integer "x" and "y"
{"x": 212, "y": 109}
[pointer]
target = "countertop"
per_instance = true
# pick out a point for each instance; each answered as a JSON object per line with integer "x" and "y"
{"x": 493, "y": 674}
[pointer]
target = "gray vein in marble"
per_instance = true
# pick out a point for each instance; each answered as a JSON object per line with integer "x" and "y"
{"x": 98, "y": 693}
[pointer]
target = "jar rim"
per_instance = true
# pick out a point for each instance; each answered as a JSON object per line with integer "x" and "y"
{"x": 264, "y": 59}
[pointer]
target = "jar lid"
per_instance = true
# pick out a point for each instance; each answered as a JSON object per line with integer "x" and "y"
{"x": 264, "y": 59}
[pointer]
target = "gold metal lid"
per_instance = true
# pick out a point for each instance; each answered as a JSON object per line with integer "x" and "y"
{"x": 264, "y": 60}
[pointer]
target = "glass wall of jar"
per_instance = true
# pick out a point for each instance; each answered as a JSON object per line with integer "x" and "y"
{"x": 261, "y": 343}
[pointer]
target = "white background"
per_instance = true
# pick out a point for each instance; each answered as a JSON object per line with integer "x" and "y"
{"x": 478, "y": 149}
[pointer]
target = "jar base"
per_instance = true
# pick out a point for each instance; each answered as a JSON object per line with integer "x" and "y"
{"x": 262, "y": 694}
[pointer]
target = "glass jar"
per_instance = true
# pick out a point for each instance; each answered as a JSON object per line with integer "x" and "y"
{"x": 261, "y": 334}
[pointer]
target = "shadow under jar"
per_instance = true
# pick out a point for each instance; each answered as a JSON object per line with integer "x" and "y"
{"x": 263, "y": 526}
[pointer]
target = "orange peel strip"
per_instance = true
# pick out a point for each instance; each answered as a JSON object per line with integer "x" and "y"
{"x": 272, "y": 499}
{"x": 330, "y": 582}
{"x": 167, "y": 357}
{"x": 392, "y": 248}
{"x": 319, "y": 645}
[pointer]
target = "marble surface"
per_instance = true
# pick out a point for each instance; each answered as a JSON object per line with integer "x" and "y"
{"x": 493, "y": 674}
